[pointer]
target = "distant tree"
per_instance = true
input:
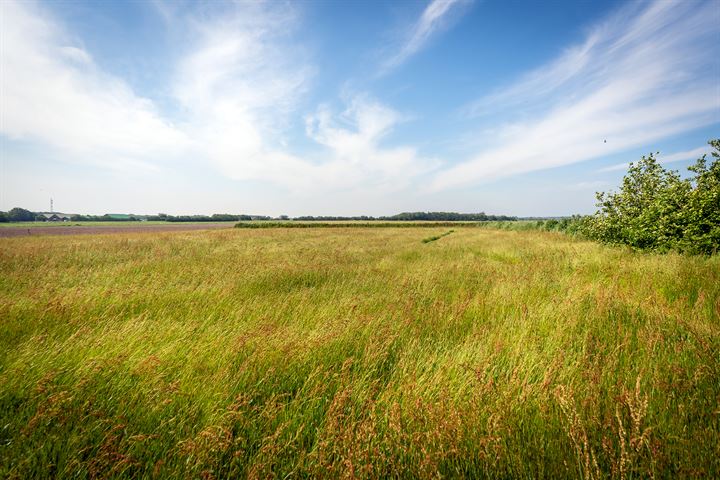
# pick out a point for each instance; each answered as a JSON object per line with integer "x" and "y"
{"x": 20, "y": 215}
{"x": 3, "y": 217}
{"x": 414, "y": 216}
{"x": 225, "y": 217}
{"x": 448, "y": 216}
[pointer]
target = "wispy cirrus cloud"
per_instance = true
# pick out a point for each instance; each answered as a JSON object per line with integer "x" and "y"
{"x": 234, "y": 90}
{"x": 238, "y": 82}
{"x": 693, "y": 154}
{"x": 647, "y": 72}
{"x": 430, "y": 22}
{"x": 240, "y": 85}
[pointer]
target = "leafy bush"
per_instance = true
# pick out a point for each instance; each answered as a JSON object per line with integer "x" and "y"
{"x": 551, "y": 224}
{"x": 702, "y": 208}
{"x": 656, "y": 209}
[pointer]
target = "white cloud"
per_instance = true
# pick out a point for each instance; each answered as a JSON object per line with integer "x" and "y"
{"x": 237, "y": 84}
{"x": 644, "y": 74}
{"x": 693, "y": 154}
{"x": 51, "y": 91}
{"x": 355, "y": 157}
{"x": 422, "y": 30}
{"x": 240, "y": 84}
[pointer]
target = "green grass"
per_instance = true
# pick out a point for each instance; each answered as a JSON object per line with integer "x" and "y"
{"x": 334, "y": 352}
{"x": 437, "y": 237}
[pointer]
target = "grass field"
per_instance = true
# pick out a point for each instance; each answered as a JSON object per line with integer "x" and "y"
{"x": 332, "y": 353}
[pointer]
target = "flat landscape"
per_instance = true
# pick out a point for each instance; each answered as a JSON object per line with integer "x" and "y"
{"x": 355, "y": 352}
{"x": 76, "y": 228}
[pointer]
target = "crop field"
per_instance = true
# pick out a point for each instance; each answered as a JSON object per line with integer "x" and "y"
{"x": 74, "y": 224}
{"x": 356, "y": 353}
{"x": 21, "y": 229}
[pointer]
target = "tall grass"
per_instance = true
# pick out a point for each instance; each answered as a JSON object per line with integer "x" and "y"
{"x": 343, "y": 353}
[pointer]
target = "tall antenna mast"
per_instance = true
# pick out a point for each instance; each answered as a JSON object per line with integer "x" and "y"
{"x": 51, "y": 205}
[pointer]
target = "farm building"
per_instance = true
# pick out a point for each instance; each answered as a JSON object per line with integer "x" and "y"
{"x": 55, "y": 217}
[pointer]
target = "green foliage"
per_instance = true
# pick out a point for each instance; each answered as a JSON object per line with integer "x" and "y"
{"x": 416, "y": 217}
{"x": 702, "y": 210}
{"x": 574, "y": 225}
{"x": 3, "y": 217}
{"x": 448, "y": 216}
{"x": 657, "y": 209}
{"x": 551, "y": 224}
{"x": 20, "y": 215}
{"x": 217, "y": 217}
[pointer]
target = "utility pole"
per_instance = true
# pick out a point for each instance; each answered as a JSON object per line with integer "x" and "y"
{"x": 51, "y": 206}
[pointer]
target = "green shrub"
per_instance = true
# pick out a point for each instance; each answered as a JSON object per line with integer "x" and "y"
{"x": 656, "y": 209}
{"x": 702, "y": 208}
{"x": 551, "y": 224}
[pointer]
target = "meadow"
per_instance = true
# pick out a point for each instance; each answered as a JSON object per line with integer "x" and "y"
{"x": 356, "y": 353}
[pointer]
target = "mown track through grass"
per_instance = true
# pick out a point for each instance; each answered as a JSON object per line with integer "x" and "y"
{"x": 437, "y": 237}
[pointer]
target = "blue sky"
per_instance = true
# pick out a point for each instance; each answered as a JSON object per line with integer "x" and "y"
{"x": 348, "y": 108}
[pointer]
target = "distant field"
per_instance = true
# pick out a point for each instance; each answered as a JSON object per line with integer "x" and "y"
{"x": 379, "y": 224}
{"x": 273, "y": 224}
{"x": 356, "y": 352}
{"x": 24, "y": 229}
{"x": 69, "y": 228}
{"x": 95, "y": 224}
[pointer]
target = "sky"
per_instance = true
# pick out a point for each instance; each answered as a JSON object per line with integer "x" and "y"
{"x": 348, "y": 108}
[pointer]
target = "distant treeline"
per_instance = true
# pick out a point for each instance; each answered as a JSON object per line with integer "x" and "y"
{"x": 417, "y": 216}
{"x": 102, "y": 218}
{"x": 23, "y": 215}
{"x": 218, "y": 217}
{"x": 17, "y": 215}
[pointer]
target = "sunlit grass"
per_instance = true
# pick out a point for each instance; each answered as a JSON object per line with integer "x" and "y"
{"x": 355, "y": 352}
